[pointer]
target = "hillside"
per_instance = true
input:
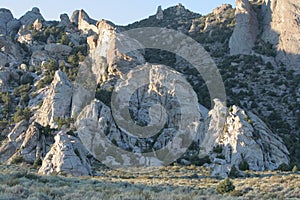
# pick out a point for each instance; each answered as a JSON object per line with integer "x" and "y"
{"x": 71, "y": 102}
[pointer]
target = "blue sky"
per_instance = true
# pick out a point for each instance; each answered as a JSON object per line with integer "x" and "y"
{"x": 118, "y": 11}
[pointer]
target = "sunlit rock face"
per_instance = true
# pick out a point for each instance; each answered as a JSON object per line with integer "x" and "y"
{"x": 246, "y": 29}
{"x": 66, "y": 156}
{"x": 243, "y": 137}
{"x": 57, "y": 103}
{"x": 281, "y": 27}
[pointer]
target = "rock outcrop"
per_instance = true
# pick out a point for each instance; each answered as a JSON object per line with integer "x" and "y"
{"x": 28, "y": 142}
{"x": 96, "y": 122}
{"x": 5, "y": 17}
{"x": 246, "y": 29}
{"x": 66, "y": 156}
{"x": 30, "y": 17}
{"x": 159, "y": 13}
{"x": 281, "y": 27}
{"x": 58, "y": 49}
{"x": 127, "y": 110}
{"x": 84, "y": 22}
{"x": 57, "y": 103}
{"x": 10, "y": 53}
{"x": 64, "y": 21}
{"x": 105, "y": 62}
{"x": 242, "y": 137}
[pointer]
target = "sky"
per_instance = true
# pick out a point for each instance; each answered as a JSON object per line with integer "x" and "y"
{"x": 118, "y": 11}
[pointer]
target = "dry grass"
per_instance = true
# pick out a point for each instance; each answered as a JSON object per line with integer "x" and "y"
{"x": 171, "y": 182}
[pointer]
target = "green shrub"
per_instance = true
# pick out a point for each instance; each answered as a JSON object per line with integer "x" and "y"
{"x": 37, "y": 162}
{"x": 25, "y": 98}
{"x": 217, "y": 149}
{"x": 5, "y": 98}
{"x": 64, "y": 40}
{"x": 23, "y": 89}
{"x": 21, "y": 114}
{"x": 220, "y": 156}
{"x": 225, "y": 186}
{"x": 244, "y": 165}
{"x": 103, "y": 95}
{"x": 236, "y": 193}
{"x": 17, "y": 160}
{"x": 234, "y": 173}
{"x": 11, "y": 182}
{"x": 63, "y": 121}
{"x": 284, "y": 167}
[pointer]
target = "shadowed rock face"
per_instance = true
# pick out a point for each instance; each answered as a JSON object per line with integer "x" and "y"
{"x": 31, "y": 16}
{"x": 282, "y": 29}
{"x": 5, "y": 17}
{"x": 246, "y": 29}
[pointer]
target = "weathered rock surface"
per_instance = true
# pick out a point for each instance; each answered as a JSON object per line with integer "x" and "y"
{"x": 4, "y": 80}
{"x": 96, "y": 120}
{"x": 58, "y": 49}
{"x": 64, "y": 21}
{"x": 219, "y": 16}
{"x": 159, "y": 13}
{"x": 58, "y": 101}
{"x": 221, "y": 9}
{"x": 281, "y": 27}
{"x": 105, "y": 62}
{"x": 244, "y": 137}
{"x": 246, "y": 29}
{"x": 13, "y": 27}
{"x": 31, "y": 16}
{"x": 38, "y": 24}
{"x": 84, "y": 22}
{"x": 66, "y": 156}
{"x": 5, "y": 17}
{"x": 38, "y": 57}
{"x": 27, "y": 142}
{"x": 9, "y": 52}
{"x": 25, "y": 37}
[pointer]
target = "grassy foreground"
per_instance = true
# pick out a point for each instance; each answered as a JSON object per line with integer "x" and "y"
{"x": 173, "y": 182}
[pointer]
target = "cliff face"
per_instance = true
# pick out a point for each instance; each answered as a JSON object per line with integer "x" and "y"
{"x": 278, "y": 24}
{"x": 246, "y": 29}
{"x": 281, "y": 28}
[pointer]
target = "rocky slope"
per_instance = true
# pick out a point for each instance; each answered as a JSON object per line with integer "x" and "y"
{"x": 57, "y": 80}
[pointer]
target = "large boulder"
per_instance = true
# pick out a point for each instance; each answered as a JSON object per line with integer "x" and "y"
{"x": 246, "y": 29}
{"x": 246, "y": 137}
{"x": 38, "y": 57}
{"x": 58, "y": 49}
{"x": 66, "y": 156}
